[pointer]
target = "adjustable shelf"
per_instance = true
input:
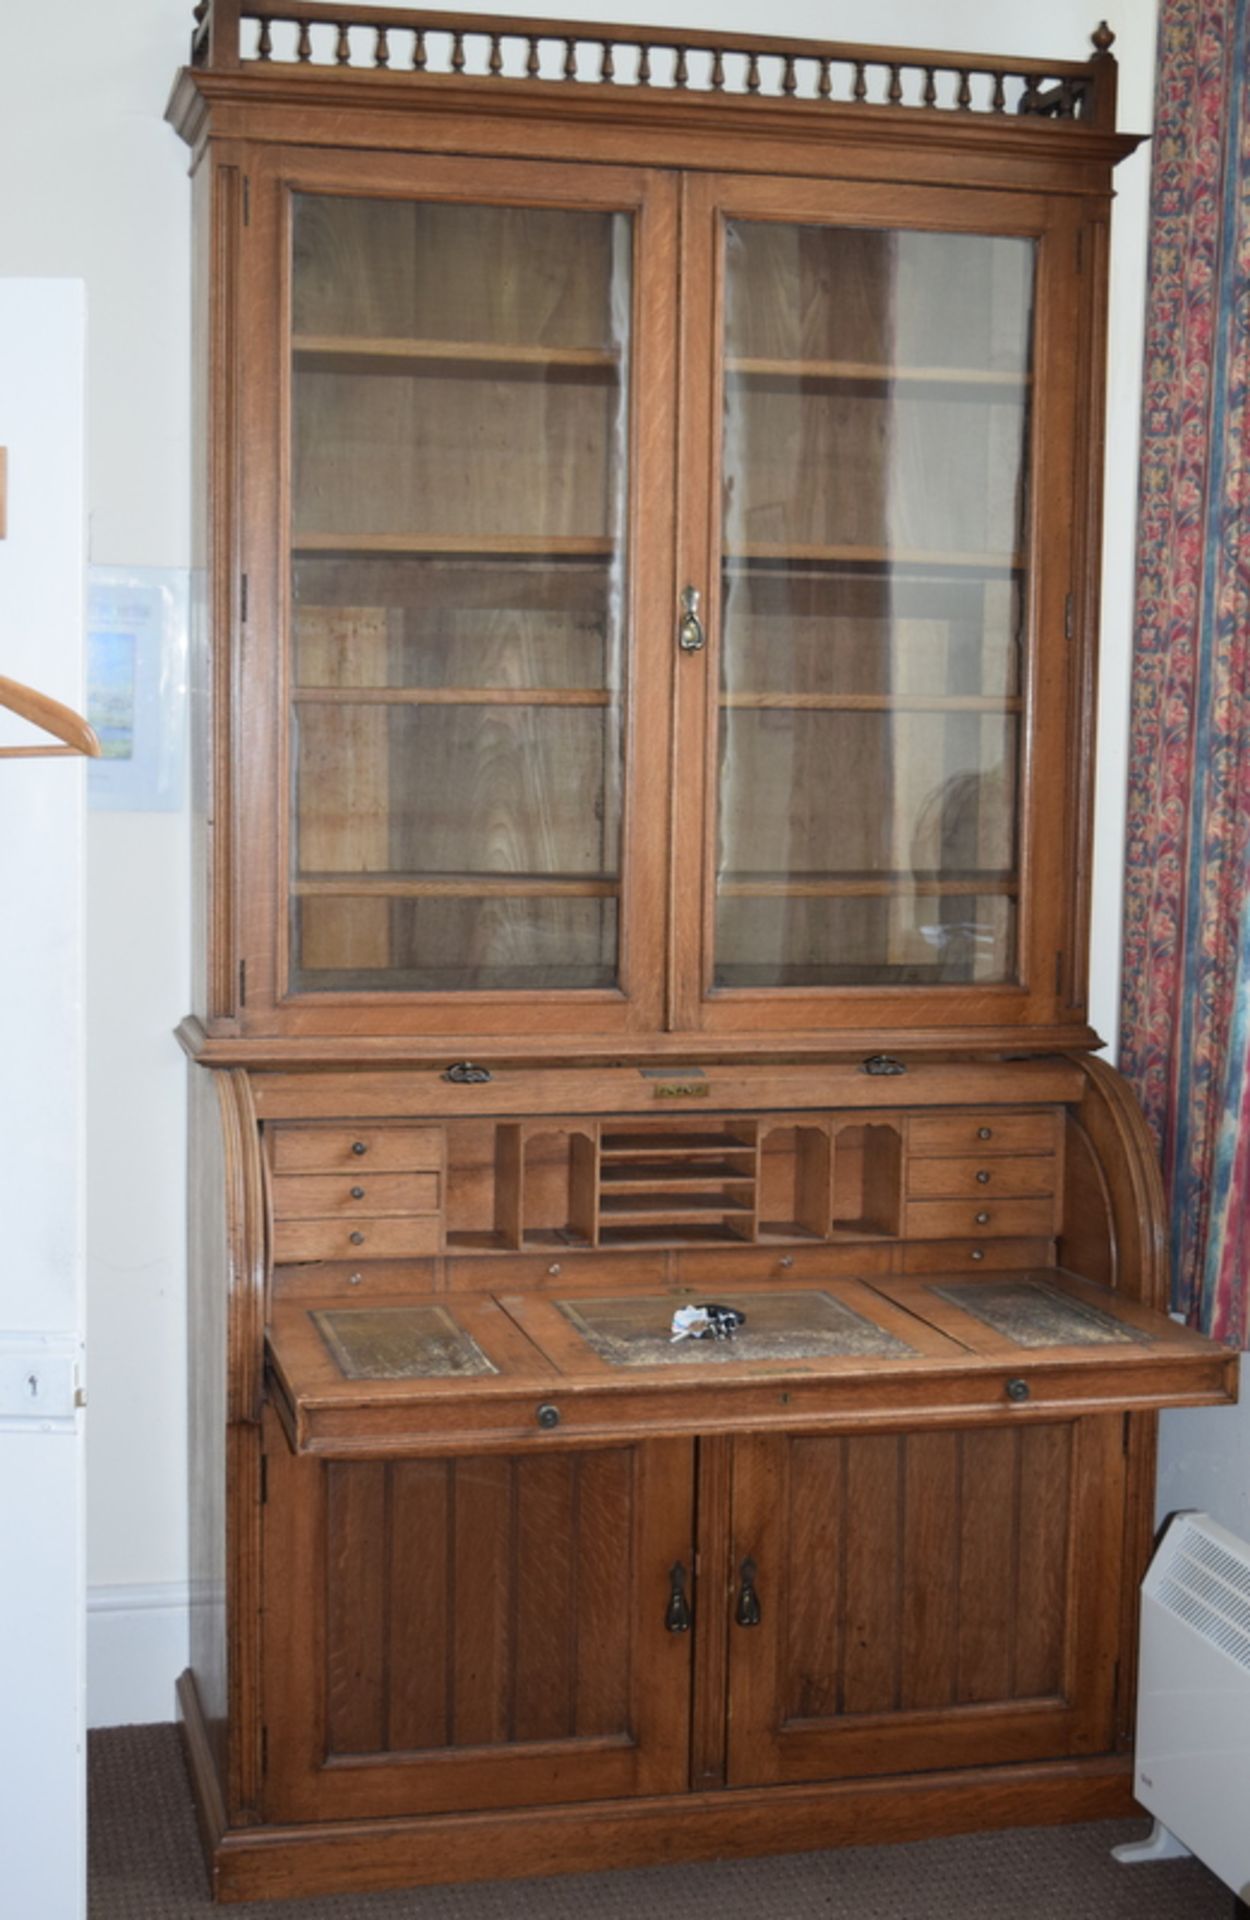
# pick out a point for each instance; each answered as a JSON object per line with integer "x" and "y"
{"x": 359, "y": 353}
{"x": 455, "y": 696}
{"x": 755, "y": 553}
{"x": 465, "y": 886}
{"x": 976, "y": 383}
{"x": 875, "y": 702}
{"x": 502, "y": 546}
{"x": 862, "y": 886}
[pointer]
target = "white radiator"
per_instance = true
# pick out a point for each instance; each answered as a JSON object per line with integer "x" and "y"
{"x": 1193, "y": 1711}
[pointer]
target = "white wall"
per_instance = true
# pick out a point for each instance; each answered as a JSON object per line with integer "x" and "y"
{"x": 96, "y": 186}
{"x": 42, "y": 1597}
{"x": 103, "y": 194}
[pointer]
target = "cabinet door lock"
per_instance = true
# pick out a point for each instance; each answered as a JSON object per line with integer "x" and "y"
{"x": 677, "y": 1613}
{"x": 747, "y": 1611}
{"x": 690, "y": 635}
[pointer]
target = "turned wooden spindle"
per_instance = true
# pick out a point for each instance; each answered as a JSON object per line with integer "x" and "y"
{"x": 718, "y": 71}
{"x": 457, "y": 52}
{"x": 963, "y": 99}
{"x": 681, "y": 73}
{"x": 570, "y": 59}
{"x": 998, "y": 99}
{"x": 860, "y": 90}
{"x": 264, "y": 39}
{"x": 343, "y": 46}
{"x": 532, "y": 62}
{"x": 753, "y": 74}
{"x": 419, "y": 54}
{"x": 607, "y": 65}
{"x": 495, "y": 63}
{"x": 929, "y": 95}
{"x": 644, "y": 66}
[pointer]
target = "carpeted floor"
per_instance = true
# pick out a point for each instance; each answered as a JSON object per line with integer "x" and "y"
{"x": 145, "y": 1865}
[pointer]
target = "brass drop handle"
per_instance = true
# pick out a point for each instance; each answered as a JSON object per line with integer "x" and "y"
{"x": 690, "y": 635}
{"x": 677, "y": 1613}
{"x": 747, "y": 1612}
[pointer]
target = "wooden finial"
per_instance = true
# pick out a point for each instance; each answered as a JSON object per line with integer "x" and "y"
{"x": 1103, "y": 38}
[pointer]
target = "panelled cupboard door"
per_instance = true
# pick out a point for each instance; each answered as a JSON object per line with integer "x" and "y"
{"x": 473, "y": 1632}
{"x": 875, "y": 487}
{"x": 457, "y": 540}
{"x": 933, "y": 1599}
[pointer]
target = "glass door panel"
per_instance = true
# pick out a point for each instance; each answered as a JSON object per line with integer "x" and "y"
{"x": 873, "y": 593}
{"x": 459, "y": 481}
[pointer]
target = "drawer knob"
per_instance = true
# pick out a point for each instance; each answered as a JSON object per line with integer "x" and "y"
{"x": 548, "y": 1416}
{"x": 983, "y": 1219}
{"x": 985, "y": 1133}
{"x": 359, "y": 1146}
{"x": 358, "y": 1239}
{"x": 358, "y": 1193}
{"x": 978, "y": 1253}
{"x": 983, "y": 1178}
{"x": 1017, "y": 1390}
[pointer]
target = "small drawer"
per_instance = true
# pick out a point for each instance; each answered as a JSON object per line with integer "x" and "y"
{"x": 984, "y": 1174}
{"x": 364, "y": 1239}
{"x": 312, "y": 1196}
{"x": 982, "y": 1132}
{"x": 956, "y": 1219}
{"x": 356, "y": 1149}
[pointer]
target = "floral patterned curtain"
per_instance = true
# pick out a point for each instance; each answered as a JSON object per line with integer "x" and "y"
{"x": 1186, "y": 998}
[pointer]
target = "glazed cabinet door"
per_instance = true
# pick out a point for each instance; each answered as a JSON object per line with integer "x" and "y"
{"x": 476, "y": 1631}
{"x": 880, "y": 818}
{"x": 909, "y": 1601}
{"x": 457, "y": 549}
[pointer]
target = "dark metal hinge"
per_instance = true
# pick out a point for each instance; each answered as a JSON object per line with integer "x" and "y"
{"x": 243, "y": 983}
{"x": 1067, "y": 618}
{"x": 264, "y": 1479}
{"x": 1128, "y": 1430}
{"x": 1080, "y": 249}
{"x": 247, "y": 201}
{"x": 1058, "y": 971}
{"x": 264, "y": 1749}
{"x": 243, "y": 598}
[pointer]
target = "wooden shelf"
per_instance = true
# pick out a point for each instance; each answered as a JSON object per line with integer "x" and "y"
{"x": 975, "y": 382}
{"x": 860, "y": 886}
{"x": 473, "y": 546}
{"x": 455, "y": 886}
{"x": 360, "y": 353}
{"x": 652, "y": 1174}
{"x": 768, "y": 552}
{"x": 659, "y": 1205}
{"x": 876, "y": 702}
{"x": 640, "y": 1234}
{"x": 623, "y": 1146}
{"x": 456, "y": 696}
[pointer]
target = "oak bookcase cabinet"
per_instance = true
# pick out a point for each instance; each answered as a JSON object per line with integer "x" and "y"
{"x": 648, "y": 523}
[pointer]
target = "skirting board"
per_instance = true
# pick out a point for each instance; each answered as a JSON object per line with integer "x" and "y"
{"x": 137, "y": 1645}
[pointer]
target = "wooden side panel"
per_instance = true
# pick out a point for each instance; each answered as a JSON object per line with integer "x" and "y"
{"x": 475, "y": 1631}
{"x": 226, "y": 1316}
{"x": 927, "y": 1599}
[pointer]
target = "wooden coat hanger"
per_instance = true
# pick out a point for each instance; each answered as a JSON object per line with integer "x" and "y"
{"x": 62, "y": 722}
